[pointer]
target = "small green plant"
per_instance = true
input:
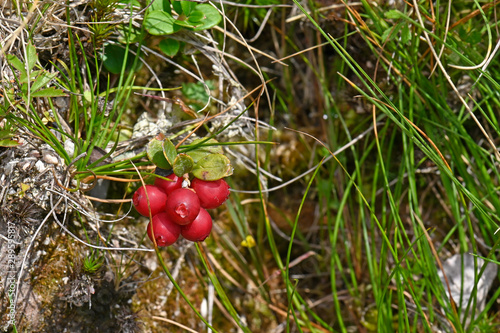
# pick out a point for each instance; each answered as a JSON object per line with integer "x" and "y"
{"x": 196, "y": 93}
{"x": 30, "y": 85}
{"x": 101, "y": 15}
{"x": 93, "y": 262}
{"x": 82, "y": 136}
{"x": 164, "y": 18}
{"x": 32, "y": 82}
{"x": 7, "y": 132}
{"x": 96, "y": 110}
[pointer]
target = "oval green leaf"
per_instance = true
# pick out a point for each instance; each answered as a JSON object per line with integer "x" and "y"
{"x": 163, "y": 5}
{"x": 169, "y": 151}
{"x": 213, "y": 167}
{"x": 49, "y": 92}
{"x": 113, "y": 58}
{"x": 169, "y": 46}
{"x": 185, "y": 24}
{"x": 31, "y": 56}
{"x": 187, "y": 7}
{"x": 155, "y": 154}
{"x": 201, "y": 152}
{"x": 177, "y": 7}
{"x": 8, "y": 143}
{"x": 159, "y": 23}
{"x": 14, "y": 61}
{"x": 211, "y": 16}
{"x": 129, "y": 35}
{"x": 196, "y": 16}
{"x": 183, "y": 164}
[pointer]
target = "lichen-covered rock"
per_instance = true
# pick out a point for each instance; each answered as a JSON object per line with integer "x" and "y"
{"x": 44, "y": 287}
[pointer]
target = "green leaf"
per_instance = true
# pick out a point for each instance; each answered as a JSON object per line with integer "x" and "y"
{"x": 49, "y": 92}
{"x": 213, "y": 167}
{"x": 393, "y": 14}
{"x": 201, "y": 152}
{"x": 31, "y": 56}
{"x": 16, "y": 63}
{"x": 5, "y": 134}
{"x": 169, "y": 46}
{"x": 129, "y": 36}
{"x": 177, "y": 7}
{"x": 169, "y": 151}
{"x": 462, "y": 33}
{"x": 386, "y": 34}
{"x": 87, "y": 96}
{"x": 192, "y": 25}
{"x": 4, "y": 109}
{"x": 155, "y": 154}
{"x": 474, "y": 37}
{"x": 183, "y": 164}
{"x": 211, "y": 16}
{"x": 405, "y": 34}
{"x": 185, "y": 24}
{"x": 8, "y": 143}
{"x": 196, "y": 16}
{"x": 187, "y": 7}
{"x": 42, "y": 80}
{"x": 5, "y": 139}
{"x": 162, "y": 5}
{"x": 391, "y": 33}
{"x": 24, "y": 89}
{"x": 159, "y": 23}
{"x": 23, "y": 78}
{"x": 113, "y": 58}
{"x": 196, "y": 93}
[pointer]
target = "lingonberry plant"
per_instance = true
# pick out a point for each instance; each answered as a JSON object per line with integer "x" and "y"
{"x": 178, "y": 203}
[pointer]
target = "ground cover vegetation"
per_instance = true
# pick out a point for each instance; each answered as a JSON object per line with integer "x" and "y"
{"x": 295, "y": 166}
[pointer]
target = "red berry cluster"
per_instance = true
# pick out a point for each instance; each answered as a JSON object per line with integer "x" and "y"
{"x": 180, "y": 211}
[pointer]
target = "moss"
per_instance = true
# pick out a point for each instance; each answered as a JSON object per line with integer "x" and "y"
{"x": 69, "y": 298}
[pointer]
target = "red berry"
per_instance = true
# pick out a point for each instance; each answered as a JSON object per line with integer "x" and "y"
{"x": 212, "y": 194}
{"x": 157, "y": 200}
{"x": 199, "y": 229}
{"x": 166, "y": 232}
{"x": 169, "y": 186}
{"x": 183, "y": 206}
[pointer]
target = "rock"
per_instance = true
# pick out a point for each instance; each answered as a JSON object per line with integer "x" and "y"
{"x": 460, "y": 272}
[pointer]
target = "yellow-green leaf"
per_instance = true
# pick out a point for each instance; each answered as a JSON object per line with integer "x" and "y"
{"x": 183, "y": 164}
{"x": 213, "y": 167}
{"x": 169, "y": 151}
{"x": 155, "y": 153}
